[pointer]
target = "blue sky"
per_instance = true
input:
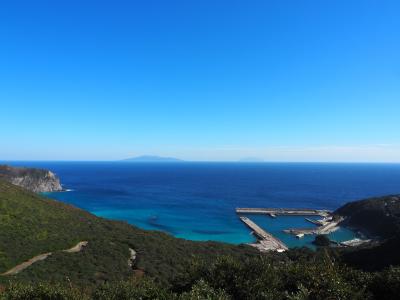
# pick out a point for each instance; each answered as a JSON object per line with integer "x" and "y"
{"x": 200, "y": 80}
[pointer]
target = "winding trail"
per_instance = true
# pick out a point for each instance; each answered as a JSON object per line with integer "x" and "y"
{"x": 26, "y": 264}
{"x": 132, "y": 257}
{"x": 22, "y": 266}
{"x": 77, "y": 248}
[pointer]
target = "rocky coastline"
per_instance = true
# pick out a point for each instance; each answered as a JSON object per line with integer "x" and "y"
{"x": 35, "y": 180}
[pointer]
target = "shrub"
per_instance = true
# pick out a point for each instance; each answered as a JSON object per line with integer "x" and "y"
{"x": 42, "y": 291}
{"x": 322, "y": 240}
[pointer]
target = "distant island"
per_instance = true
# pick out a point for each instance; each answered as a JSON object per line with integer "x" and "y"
{"x": 251, "y": 159}
{"x": 152, "y": 158}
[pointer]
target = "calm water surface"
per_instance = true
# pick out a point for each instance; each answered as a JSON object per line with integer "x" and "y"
{"x": 197, "y": 201}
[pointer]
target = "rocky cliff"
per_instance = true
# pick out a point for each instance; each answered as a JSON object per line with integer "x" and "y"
{"x": 378, "y": 216}
{"x": 35, "y": 180}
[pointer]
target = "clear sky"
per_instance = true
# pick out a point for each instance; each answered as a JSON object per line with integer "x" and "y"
{"x": 200, "y": 80}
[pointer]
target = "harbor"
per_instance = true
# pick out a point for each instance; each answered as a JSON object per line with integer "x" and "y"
{"x": 278, "y": 229}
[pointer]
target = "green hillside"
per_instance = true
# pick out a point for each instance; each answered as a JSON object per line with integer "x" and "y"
{"x": 171, "y": 268}
{"x": 31, "y": 225}
{"x": 378, "y": 216}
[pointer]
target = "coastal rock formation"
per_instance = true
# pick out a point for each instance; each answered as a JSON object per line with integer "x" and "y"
{"x": 35, "y": 180}
{"x": 375, "y": 216}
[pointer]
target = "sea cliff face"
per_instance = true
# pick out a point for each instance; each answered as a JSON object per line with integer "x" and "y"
{"x": 35, "y": 180}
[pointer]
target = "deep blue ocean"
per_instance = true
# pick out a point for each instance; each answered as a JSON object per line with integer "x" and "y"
{"x": 197, "y": 201}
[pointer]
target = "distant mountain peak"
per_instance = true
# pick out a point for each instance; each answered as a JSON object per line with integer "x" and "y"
{"x": 152, "y": 158}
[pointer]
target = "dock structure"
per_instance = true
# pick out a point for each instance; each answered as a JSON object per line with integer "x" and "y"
{"x": 300, "y": 231}
{"x": 327, "y": 227}
{"x": 284, "y": 211}
{"x": 315, "y": 222}
{"x": 354, "y": 242}
{"x": 266, "y": 241}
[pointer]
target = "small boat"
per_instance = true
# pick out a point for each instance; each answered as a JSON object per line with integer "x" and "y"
{"x": 300, "y": 235}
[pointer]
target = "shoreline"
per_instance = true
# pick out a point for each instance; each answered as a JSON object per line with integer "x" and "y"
{"x": 196, "y": 237}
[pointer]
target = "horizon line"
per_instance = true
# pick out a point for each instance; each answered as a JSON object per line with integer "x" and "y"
{"x": 199, "y": 161}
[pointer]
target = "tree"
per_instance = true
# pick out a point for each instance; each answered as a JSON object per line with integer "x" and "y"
{"x": 322, "y": 240}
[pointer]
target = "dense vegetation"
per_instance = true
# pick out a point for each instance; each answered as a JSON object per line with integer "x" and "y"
{"x": 170, "y": 268}
{"x": 375, "y": 216}
{"x": 8, "y": 172}
{"x": 31, "y": 225}
{"x": 322, "y": 240}
{"x": 316, "y": 277}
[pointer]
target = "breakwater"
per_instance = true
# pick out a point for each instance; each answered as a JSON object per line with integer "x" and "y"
{"x": 284, "y": 211}
{"x": 266, "y": 241}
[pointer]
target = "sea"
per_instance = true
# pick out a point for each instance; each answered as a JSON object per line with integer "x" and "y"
{"x": 197, "y": 201}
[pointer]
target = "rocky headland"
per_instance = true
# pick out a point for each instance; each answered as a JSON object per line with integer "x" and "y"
{"x": 35, "y": 180}
{"x": 379, "y": 216}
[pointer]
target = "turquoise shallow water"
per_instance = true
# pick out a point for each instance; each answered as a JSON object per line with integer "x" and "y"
{"x": 276, "y": 226}
{"x": 201, "y": 229}
{"x": 197, "y": 200}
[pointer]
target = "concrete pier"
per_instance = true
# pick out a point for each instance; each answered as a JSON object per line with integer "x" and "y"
{"x": 354, "y": 242}
{"x": 327, "y": 227}
{"x": 284, "y": 211}
{"x": 315, "y": 222}
{"x": 267, "y": 242}
{"x": 299, "y": 231}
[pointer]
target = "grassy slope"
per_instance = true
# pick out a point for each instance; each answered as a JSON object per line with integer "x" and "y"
{"x": 31, "y": 224}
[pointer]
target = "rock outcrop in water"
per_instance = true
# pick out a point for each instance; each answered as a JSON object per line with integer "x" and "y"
{"x": 35, "y": 180}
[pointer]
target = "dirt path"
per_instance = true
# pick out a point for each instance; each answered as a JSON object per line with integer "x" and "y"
{"x": 43, "y": 256}
{"x": 26, "y": 264}
{"x": 77, "y": 248}
{"x": 132, "y": 257}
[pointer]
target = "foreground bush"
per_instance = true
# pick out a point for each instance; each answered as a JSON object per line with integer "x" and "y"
{"x": 143, "y": 289}
{"x": 139, "y": 289}
{"x": 42, "y": 291}
{"x": 226, "y": 278}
